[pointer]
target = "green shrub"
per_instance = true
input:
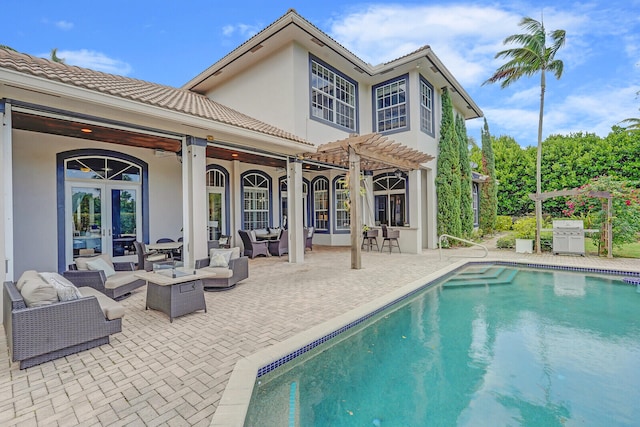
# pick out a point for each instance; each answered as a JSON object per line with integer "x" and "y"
{"x": 506, "y": 242}
{"x": 504, "y": 223}
{"x": 525, "y": 228}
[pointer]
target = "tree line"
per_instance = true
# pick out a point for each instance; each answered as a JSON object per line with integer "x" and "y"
{"x": 568, "y": 161}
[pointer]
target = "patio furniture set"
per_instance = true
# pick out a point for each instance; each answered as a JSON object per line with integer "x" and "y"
{"x": 49, "y": 315}
{"x": 271, "y": 241}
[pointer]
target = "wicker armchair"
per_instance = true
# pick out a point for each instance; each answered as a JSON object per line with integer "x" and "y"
{"x": 117, "y": 286}
{"x": 281, "y": 246}
{"x": 226, "y": 278}
{"x": 253, "y": 248}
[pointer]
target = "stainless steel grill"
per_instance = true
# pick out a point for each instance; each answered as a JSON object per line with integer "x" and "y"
{"x": 568, "y": 237}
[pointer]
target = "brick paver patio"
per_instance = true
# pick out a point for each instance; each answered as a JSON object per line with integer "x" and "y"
{"x": 161, "y": 373}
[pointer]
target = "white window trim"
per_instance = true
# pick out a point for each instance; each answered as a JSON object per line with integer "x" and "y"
{"x": 338, "y": 106}
{"x": 392, "y": 112}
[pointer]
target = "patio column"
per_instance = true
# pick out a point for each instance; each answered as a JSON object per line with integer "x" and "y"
{"x": 6, "y": 201}
{"x": 194, "y": 200}
{"x": 295, "y": 212}
{"x": 355, "y": 210}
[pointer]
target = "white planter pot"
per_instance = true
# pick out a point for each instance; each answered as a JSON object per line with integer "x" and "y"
{"x": 524, "y": 246}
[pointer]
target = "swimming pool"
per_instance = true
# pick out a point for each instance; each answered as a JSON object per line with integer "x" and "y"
{"x": 493, "y": 345}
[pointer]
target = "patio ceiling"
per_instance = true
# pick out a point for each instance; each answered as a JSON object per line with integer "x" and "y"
{"x": 375, "y": 150}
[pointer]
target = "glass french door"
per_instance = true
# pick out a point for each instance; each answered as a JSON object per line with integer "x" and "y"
{"x": 215, "y": 216}
{"x": 102, "y": 218}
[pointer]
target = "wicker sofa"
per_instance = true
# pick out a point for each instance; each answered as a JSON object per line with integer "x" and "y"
{"x": 116, "y": 285}
{"x": 53, "y": 329}
{"x": 227, "y": 277}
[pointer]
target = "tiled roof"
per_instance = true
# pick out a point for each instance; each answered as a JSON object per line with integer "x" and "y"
{"x": 157, "y": 95}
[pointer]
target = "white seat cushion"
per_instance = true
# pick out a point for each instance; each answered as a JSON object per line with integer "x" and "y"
{"x": 220, "y": 272}
{"x": 121, "y": 278}
{"x": 111, "y": 309}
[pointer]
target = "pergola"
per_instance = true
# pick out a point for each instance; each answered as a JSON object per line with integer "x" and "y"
{"x": 608, "y": 232}
{"x": 366, "y": 152}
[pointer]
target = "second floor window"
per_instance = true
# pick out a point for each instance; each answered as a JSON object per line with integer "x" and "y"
{"x": 333, "y": 97}
{"x": 426, "y": 107}
{"x": 391, "y": 105}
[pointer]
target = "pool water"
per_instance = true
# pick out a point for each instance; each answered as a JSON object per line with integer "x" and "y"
{"x": 491, "y": 346}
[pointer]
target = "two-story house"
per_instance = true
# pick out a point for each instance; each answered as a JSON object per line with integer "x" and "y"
{"x": 91, "y": 161}
{"x": 299, "y": 79}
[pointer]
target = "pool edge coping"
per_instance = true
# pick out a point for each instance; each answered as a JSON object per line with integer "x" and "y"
{"x": 234, "y": 404}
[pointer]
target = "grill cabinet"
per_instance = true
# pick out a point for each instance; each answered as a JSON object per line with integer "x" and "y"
{"x": 568, "y": 237}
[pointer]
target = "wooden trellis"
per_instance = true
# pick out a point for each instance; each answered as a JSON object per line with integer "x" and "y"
{"x": 366, "y": 152}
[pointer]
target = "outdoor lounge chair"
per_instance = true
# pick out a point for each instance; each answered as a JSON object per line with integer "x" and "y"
{"x": 253, "y": 248}
{"x": 281, "y": 246}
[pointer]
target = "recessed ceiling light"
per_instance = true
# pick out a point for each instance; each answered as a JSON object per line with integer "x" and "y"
{"x": 234, "y": 155}
{"x": 86, "y": 130}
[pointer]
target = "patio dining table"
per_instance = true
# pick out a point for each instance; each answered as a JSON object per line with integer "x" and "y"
{"x": 166, "y": 247}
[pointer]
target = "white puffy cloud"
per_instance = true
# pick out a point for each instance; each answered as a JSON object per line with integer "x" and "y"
{"x": 91, "y": 59}
{"x": 466, "y": 37}
{"x": 64, "y": 25}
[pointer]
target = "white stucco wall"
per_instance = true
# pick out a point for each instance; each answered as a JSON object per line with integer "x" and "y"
{"x": 35, "y": 195}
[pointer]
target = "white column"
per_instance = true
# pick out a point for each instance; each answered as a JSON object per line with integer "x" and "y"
{"x": 194, "y": 203}
{"x": 295, "y": 212}
{"x": 236, "y": 201}
{"x": 355, "y": 202}
{"x": 6, "y": 201}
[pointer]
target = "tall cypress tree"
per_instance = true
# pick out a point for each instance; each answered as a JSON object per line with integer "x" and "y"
{"x": 448, "y": 176}
{"x": 466, "y": 203}
{"x": 489, "y": 190}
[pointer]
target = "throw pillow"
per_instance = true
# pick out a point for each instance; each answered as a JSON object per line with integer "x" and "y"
{"x": 36, "y": 292}
{"x": 226, "y": 253}
{"x": 235, "y": 252}
{"x": 66, "y": 290}
{"x": 100, "y": 264}
{"x": 27, "y": 275}
{"x": 218, "y": 260}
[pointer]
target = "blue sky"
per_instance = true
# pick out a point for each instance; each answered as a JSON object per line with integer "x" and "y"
{"x": 169, "y": 42}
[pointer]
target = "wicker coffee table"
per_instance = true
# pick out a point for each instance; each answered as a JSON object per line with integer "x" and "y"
{"x": 175, "y": 296}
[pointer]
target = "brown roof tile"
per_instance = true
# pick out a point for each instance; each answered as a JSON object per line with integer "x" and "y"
{"x": 167, "y": 97}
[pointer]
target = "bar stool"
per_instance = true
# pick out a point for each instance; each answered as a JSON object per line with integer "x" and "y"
{"x": 390, "y": 236}
{"x": 370, "y": 238}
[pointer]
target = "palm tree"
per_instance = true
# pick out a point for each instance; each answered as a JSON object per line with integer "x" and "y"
{"x": 532, "y": 55}
{"x": 632, "y": 124}
{"x": 54, "y": 56}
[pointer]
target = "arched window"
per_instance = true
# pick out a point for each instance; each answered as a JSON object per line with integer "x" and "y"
{"x": 321, "y": 204}
{"x": 390, "y": 195}
{"x": 256, "y": 192}
{"x": 341, "y": 203}
{"x": 216, "y": 178}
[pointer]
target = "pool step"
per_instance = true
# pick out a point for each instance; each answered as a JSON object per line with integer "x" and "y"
{"x": 492, "y": 276}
